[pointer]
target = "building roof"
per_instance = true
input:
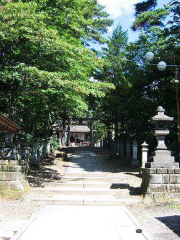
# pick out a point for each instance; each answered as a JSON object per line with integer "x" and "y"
{"x": 7, "y": 125}
{"x": 79, "y": 129}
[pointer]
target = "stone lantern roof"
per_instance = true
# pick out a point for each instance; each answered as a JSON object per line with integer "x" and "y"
{"x": 161, "y": 117}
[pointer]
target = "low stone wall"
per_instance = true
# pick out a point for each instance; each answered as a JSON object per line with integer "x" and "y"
{"x": 14, "y": 164}
{"x": 13, "y": 183}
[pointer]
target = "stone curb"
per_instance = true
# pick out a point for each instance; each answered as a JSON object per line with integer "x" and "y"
{"x": 26, "y": 225}
{"x": 139, "y": 226}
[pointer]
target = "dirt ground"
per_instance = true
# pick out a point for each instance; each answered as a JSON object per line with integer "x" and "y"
{"x": 162, "y": 221}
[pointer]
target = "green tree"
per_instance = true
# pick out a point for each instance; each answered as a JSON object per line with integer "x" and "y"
{"x": 112, "y": 105}
{"x": 45, "y": 65}
{"x": 147, "y": 15}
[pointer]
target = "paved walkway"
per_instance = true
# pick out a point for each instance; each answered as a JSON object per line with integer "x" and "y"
{"x": 84, "y": 184}
{"x": 82, "y": 223}
{"x": 63, "y": 218}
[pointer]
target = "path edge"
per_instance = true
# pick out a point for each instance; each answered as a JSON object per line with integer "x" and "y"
{"x": 139, "y": 226}
{"x": 27, "y": 224}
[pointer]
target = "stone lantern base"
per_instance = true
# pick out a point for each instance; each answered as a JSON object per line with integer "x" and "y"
{"x": 13, "y": 183}
{"x": 161, "y": 184}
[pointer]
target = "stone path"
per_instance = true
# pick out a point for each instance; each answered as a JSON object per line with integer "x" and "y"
{"x": 82, "y": 205}
{"x": 84, "y": 184}
{"x": 82, "y": 223}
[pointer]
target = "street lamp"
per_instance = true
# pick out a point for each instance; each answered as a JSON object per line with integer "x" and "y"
{"x": 162, "y": 66}
{"x": 150, "y": 57}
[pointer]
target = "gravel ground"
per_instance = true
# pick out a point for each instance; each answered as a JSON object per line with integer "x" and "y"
{"x": 46, "y": 175}
{"x": 17, "y": 208}
{"x": 162, "y": 221}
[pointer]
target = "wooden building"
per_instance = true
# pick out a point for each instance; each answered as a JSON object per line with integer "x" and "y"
{"x": 7, "y": 125}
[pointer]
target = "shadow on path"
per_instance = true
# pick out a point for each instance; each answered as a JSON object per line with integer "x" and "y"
{"x": 172, "y": 222}
{"x": 132, "y": 190}
{"x": 124, "y": 175}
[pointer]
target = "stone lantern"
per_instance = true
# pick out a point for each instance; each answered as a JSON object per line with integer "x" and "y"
{"x": 162, "y": 157}
{"x": 161, "y": 174}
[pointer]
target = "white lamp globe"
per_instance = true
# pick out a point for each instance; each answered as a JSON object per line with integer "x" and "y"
{"x": 161, "y": 66}
{"x": 149, "y": 56}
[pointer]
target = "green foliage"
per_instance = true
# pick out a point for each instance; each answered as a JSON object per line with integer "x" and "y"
{"x": 54, "y": 144}
{"x": 100, "y": 130}
{"x": 113, "y": 72}
{"x": 145, "y": 6}
{"x": 45, "y": 65}
{"x": 141, "y": 87}
{"x": 150, "y": 18}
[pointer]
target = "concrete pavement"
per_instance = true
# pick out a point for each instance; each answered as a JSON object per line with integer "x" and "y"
{"x": 63, "y": 218}
{"x": 82, "y": 223}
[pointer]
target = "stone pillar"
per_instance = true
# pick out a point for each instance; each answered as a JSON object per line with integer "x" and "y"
{"x": 54, "y": 133}
{"x": 60, "y": 138}
{"x": 9, "y": 149}
{"x": 68, "y": 136}
{"x": 35, "y": 154}
{"x": 9, "y": 139}
{"x": 47, "y": 148}
{"x": 27, "y": 154}
{"x": 112, "y": 146}
{"x": 40, "y": 153}
{"x": 15, "y": 155}
{"x": 118, "y": 148}
{"x": 135, "y": 161}
{"x": 121, "y": 150}
{"x": 128, "y": 149}
{"x": 65, "y": 138}
{"x": 144, "y": 154}
{"x": 115, "y": 148}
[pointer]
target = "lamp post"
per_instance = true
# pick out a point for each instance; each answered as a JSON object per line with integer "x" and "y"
{"x": 162, "y": 66}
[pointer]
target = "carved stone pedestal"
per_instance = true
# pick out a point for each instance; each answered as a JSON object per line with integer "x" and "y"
{"x": 13, "y": 183}
{"x": 161, "y": 184}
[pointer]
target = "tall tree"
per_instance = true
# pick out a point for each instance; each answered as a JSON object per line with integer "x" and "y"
{"x": 147, "y": 15}
{"x": 45, "y": 65}
{"x": 145, "y": 6}
{"x": 113, "y": 72}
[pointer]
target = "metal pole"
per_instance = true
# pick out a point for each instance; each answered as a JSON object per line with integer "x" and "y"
{"x": 177, "y": 105}
{"x": 178, "y": 124}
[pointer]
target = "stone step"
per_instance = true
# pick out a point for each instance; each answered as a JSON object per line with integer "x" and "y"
{"x": 9, "y": 162}
{"x": 80, "y": 191}
{"x": 80, "y": 174}
{"x": 85, "y": 184}
{"x": 12, "y": 176}
{"x": 80, "y": 201}
{"x": 11, "y": 168}
{"x": 91, "y": 179}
